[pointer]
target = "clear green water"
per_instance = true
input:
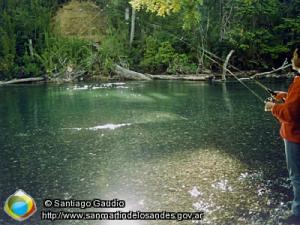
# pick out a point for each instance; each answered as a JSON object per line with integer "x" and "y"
{"x": 168, "y": 138}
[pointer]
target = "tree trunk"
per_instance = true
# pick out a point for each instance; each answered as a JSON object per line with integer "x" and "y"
{"x": 132, "y": 31}
{"x": 25, "y": 80}
{"x": 203, "y": 77}
{"x": 129, "y": 74}
{"x": 132, "y": 75}
{"x": 127, "y": 14}
{"x": 225, "y": 65}
{"x": 30, "y": 47}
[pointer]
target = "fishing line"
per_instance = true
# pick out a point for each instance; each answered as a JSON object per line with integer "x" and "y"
{"x": 246, "y": 86}
{"x": 273, "y": 93}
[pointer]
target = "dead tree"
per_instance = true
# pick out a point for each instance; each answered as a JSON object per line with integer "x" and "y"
{"x": 225, "y": 65}
{"x": 284, "y": 65}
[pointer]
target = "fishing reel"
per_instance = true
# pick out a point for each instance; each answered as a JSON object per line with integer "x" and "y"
{"x": 270, "y": 99}
{"x": 273, "y": 99}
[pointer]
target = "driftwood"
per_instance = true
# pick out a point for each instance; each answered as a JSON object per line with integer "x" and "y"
{"x": 132, "y": 75}
{"x": 71, "y": 75}
{"x": 24, "y": 80}
{"x": 202, "y": 77}
{"x": 129, "y": 74}
{"x": 282, "y": 67}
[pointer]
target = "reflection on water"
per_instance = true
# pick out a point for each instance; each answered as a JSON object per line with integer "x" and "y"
{"x": 160, "y": 146}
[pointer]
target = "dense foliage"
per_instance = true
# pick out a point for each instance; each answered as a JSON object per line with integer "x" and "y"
{"x": 262, "y": 33}
{"x": 168, "y": 38}
{"x": 24, "y": 24}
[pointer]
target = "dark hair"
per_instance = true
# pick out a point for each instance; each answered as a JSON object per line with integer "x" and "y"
{"x": 296, "y": 58}
{"x": 297, "y": 50}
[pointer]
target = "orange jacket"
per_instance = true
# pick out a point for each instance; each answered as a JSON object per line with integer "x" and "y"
{"x": 288, "y": 113}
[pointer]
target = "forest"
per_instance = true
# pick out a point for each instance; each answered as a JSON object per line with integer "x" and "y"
{"x": 148, "y": 36}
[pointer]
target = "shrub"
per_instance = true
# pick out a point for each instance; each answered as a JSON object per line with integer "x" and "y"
{"x": 162, "y": 57}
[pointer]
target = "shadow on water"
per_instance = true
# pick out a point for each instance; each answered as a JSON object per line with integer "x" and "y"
{"x": 180, "y": 136}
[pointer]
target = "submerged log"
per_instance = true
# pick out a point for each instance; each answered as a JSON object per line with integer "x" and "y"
{"x": 24, "y": 80}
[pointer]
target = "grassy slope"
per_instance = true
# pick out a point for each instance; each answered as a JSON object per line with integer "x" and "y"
{"x": 84, "y": 20}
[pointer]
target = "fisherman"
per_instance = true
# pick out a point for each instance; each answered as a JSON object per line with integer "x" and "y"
{"x": 288, "y": 114}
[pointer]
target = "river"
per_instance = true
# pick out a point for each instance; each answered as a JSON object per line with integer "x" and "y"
{"x": 160, "y": 146}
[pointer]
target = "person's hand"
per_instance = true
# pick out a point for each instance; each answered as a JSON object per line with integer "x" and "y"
{"x": 269, "y": 106}
{"x": 280, "y": 94}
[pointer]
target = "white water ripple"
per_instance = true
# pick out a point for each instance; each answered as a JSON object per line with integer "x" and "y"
{"x": 109, "y": 126}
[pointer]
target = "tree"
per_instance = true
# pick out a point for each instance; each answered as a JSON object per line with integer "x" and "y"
{"x": 189, "y": 8}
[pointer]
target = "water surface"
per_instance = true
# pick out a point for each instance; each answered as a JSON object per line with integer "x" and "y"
{"x": 160, "y": 146}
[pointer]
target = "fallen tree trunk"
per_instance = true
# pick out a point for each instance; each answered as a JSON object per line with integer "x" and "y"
{"x": 132, "y": 75}
{"x": 24, "y": 80}
{"x": 129, "y": 74}
{"x": 181, "y": 77}
{"x": 282, "y": 67}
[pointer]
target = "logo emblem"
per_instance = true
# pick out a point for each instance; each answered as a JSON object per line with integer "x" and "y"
{"x": 20, "y": 206}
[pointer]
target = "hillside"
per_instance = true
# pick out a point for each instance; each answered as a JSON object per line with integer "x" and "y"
{"x": 80, "y": 19}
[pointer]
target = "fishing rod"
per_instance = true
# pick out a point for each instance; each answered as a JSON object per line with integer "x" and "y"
{"x": 273, "y": 94}
{"x": 246, "y": 86}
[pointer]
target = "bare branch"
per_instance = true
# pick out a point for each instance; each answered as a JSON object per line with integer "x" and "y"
{"x": 284, "y": 65}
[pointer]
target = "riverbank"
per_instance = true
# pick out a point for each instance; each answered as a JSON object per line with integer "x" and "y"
{"x": 192, "y": 77}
